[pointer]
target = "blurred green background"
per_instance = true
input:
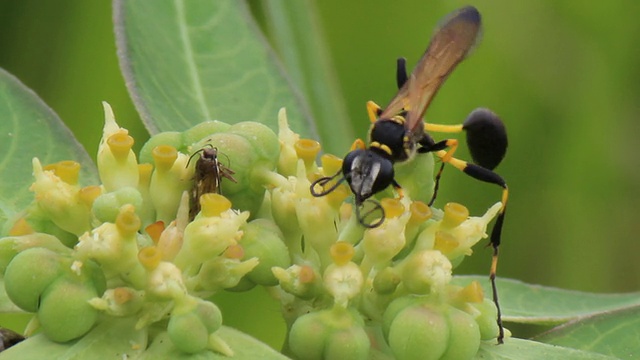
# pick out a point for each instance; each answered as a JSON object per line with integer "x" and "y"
{"x": 563, "y": 75}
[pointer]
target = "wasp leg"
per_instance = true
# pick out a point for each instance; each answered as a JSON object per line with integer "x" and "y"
{"x": 401, "y": 72}
{"x": 373, "y": 110}
{"x": 428, "y": 145}
{"x": 483, "y": 174}
{"x": 358, "y": 144}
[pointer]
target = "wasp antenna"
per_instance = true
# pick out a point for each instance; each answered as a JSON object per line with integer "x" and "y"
{"x": 363, "y": 217}
{"x": 324, "y": 181}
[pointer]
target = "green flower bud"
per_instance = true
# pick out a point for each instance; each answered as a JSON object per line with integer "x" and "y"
{"x": 107, "y": 206}
{"x": 263, "y": 240}
{"x": 60, "y": 201}
{"x": 188, "y": 333}
{"x": 166, "y": 282}
{"x": 115, "y": 247}
{"x": 343, "y": 282}
{"x": 425, "y": 272}
{"x": 121, "y": 301}
{"x": 117, "y": 164}
{"x": 382, "y": 243}
{"x": 65, "y": 313}
{"x": 224, "y": 273}
{"x": 302, "y": 281}
{"x": 25, "y": 283}
{"x": 283, "y": 209}
{"x": 420, "y": 332}
{"x": 288, "y": 160}
{"x": 329, "y": 334}
{"x": 208, "y": 236}
{"x": 464, "y": 336}
{"x": 169, "y": 180}
{"x": 486, "y": 319}
{"x": 386, "y": 281}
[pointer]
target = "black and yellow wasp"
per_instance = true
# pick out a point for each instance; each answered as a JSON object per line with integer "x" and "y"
{"x": 398, "y": 131}
{"x": 207, "y": 177}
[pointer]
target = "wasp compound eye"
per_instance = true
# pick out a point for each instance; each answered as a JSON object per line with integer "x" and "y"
{"x": 367, "y": 173}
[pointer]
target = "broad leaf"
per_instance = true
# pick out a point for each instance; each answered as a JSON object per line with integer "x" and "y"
{"x": 295, "y": 30}
{"x": 518, "y": 349}
{"x": 113, "y": 338}
{"x": 28, "y": 129}
{"x": 535, "y": 304}
{"x": 244, "y": 347}
{"x": 190, "y": 61}
{"x": 614, "y": 333}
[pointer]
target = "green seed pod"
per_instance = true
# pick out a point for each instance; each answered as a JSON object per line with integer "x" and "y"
{"x": 210, "y": 315}
{"x": 107, "y": 206}
{"x": 336, "y": 333}
{"x": 464, "y": 336}
{"x": 263, "y": 239}
{"x": 487, "y": 319}
{"x": 25, "y": 283}
{"x": 349, "y": 343}
{"x": 263, "y": 139}
{"x": 188, "y": 333}
{"x": 419, "y": 332}
{"x": 200, "y": 132}
{"x": 64, "y": 312}
{"x": 386, "y": 281}
{"x": 397, "y": 306}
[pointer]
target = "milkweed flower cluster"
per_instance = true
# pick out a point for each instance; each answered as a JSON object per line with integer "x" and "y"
{"x": 126, "y": 249}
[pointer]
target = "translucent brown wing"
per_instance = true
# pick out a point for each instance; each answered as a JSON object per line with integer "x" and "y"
{"x": 449, "y": 45}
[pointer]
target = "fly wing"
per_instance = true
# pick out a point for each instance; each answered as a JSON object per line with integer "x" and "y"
{"x": 450, "y": 44}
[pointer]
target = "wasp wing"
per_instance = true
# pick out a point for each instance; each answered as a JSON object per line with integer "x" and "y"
{"x": 449, "y": 45}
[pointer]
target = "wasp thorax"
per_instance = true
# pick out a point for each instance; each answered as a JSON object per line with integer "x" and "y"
{"x": 367, "y": 173}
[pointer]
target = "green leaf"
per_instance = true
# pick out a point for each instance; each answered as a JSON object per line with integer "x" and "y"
{"x": 518, "y": 349}
{"x": 117, "y": 339}
{"x": 295, "y": 30}
{"x": 112, "y": 338}
{"x": 535, "y": 304}
{"x": 190, "y": 61}
{"x": 28, "y": 129}
{"x": 244, "y": 346}
{"x": 613, "y": 333}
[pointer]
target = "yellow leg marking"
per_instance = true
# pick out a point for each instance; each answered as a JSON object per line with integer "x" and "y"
{"x": 443, "y": 128}
{"x": 505, "y": 197}
{"x": 457, "y": 163}
{"x": 372, "y": 110}
{"x": 358, "y": 144}
{"x": 453, "y": 146}
{"x": 400, "y": 193}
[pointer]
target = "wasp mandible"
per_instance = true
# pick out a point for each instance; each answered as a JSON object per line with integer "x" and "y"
{"x": 398, "y": 131}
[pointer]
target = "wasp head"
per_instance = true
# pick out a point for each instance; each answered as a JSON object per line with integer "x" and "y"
{"x": 367, "y": 173}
